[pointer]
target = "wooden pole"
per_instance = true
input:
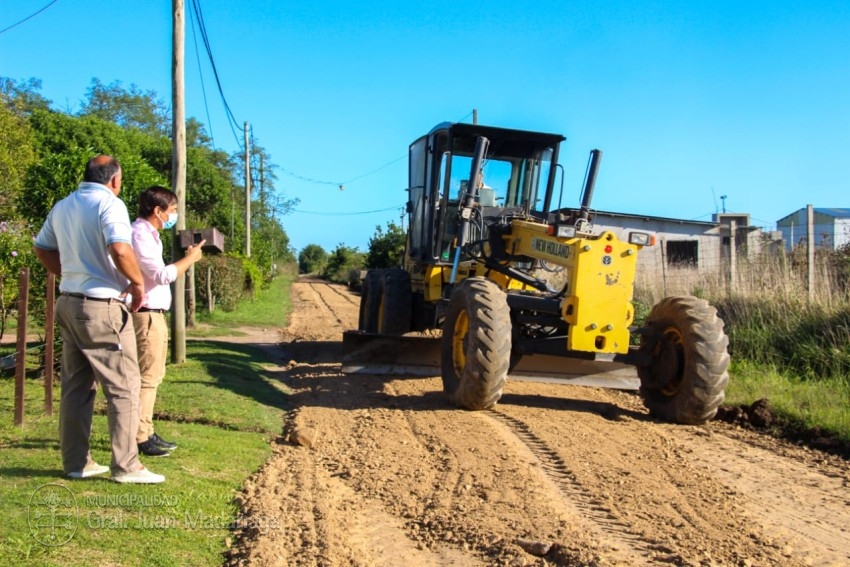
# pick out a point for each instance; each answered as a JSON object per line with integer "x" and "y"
{"x": 810, "y": 249}
{"x": 733, "y": 256}
{"x": 178, "y": 178}
{"x": 49, "y": 319}
{"x": 21, "y": 345}
{"x": 247, "y": 195}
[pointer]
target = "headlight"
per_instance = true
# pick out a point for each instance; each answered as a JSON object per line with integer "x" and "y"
{"x": 565, "y": 231}
{"x": 640, "y": 238}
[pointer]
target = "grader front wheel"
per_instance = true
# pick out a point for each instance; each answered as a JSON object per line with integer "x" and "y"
{"x": 685, "y": 379}
{"x": 476, "y": 344}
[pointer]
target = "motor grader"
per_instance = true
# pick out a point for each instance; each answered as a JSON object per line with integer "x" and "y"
{"x": 486, "y": 227}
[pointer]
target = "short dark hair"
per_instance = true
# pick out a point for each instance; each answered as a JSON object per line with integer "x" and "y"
{"x": 153, "y": 197}
{"x": 101, "y": 169}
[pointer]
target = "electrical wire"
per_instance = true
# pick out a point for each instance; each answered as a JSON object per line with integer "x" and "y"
{"x": 341, "y": 184}
{"x": 326, "y": 214}
{"x": 16, "y": 24}
{"x": 201, "y": 74}
{"x": 202, "y": 27}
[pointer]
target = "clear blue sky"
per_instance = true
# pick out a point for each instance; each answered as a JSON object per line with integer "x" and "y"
{"x": 688, "y": 101}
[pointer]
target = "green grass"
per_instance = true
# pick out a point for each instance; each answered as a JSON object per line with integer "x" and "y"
{"x": 267, "y": 310}
{"x": 222, "y": 407}
{"x": 822, "y": 404}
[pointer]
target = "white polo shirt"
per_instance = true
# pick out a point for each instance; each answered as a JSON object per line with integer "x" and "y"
{"x": 80, "y": 227}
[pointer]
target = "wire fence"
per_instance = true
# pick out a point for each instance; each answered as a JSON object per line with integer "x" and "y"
{"x": 713, "y": 270}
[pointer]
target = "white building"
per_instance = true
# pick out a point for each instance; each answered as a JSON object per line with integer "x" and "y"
{"x": 831, "y": 226}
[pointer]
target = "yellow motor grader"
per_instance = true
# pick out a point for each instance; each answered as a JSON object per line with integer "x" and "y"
{"x": 486, "y": 225}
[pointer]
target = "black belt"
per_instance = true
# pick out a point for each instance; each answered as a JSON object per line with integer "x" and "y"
{"x": 149, "y": 310}
{"x": 86, "y": 297}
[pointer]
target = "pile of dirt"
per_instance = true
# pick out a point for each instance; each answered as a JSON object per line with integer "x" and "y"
{"x": 760, "y": 416}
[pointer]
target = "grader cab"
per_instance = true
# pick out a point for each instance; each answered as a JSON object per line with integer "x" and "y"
{"x": 508, "y": 275}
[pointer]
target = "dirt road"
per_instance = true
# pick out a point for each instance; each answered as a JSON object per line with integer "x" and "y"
{"x": 556, "y": 475}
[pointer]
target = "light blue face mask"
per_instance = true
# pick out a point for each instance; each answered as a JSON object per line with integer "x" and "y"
{"x": 172, "y": 220}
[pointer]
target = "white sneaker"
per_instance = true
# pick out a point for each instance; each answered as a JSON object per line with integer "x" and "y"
{"x": 142, "y": 476}
{"x": 91, "y": 469}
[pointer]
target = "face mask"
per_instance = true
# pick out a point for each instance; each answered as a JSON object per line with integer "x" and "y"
{"x": 169, "y": 224}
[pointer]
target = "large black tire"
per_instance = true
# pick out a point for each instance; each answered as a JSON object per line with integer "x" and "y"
{"x": 688, "y": 363}
{"x": 369, "y": 301}
{"x": 476, "y": 344}
{"x": 394, "y": 305}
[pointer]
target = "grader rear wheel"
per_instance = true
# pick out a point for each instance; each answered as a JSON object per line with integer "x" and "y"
{"x": 476, "y": 344}
{"x": 685, "y": 380}
{"x": 394, "y": 303}
{"x": 369, "y": 298}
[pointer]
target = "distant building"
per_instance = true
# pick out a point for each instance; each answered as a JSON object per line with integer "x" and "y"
{"x": 697, "y": 245}
{"x": 831, "y": 227}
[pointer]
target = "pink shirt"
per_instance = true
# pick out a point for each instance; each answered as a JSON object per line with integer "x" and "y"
{"x": 157, "y": 275}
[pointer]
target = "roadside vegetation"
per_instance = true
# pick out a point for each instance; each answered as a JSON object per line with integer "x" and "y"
{"x": 787, "y": 347}
{"x": 223, "y": 407}
{"x": 43, "y": 152}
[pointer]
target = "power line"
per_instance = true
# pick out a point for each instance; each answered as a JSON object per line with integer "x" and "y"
{"x": 326, "y": 214}
{"x": 202, "y": 27}
{"x": 341, "y": 184}
{"x": 203, "y": 87}
{"x": 29, "y": 17}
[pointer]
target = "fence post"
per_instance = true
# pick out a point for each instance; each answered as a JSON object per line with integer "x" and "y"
{"x": 49, "y": 319}
{"x": 810, "y": 251}
{"x": 664, "y": 267}
{"x": 210, "y": 302}
{"x": 733, "y": 256}
{"x": 21, "y": 345}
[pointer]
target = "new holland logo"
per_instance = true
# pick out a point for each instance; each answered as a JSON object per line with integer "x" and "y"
{"x": 551, "y": 248}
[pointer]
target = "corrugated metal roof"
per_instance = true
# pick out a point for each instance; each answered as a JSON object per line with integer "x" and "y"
{"x": 834, "y": 212}
{"x": 837, "y": 213}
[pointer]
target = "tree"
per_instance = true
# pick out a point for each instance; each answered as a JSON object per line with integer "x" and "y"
{"x": 16, "y": 155}
{"x": 386, "y": 250}
{"x": 22, "y": 97}
{"x": 344, "y": 265}
{"x": 131, "y": 108}
{"x": 312, "y": 259}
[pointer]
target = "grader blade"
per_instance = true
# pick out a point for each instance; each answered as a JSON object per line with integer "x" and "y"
{"x": 419, "y": 355}
{"x": 406, "y": 355}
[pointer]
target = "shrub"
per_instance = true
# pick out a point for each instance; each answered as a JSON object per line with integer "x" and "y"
{"x": 342, "y": 263}
{"x": 227, "y": 280}
{"x": 16, "y": 252}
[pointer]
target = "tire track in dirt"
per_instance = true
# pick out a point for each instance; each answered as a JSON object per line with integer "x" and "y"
{"x": 552, "y": 466}
{"x": 346, "y": 295}
{"x": 399, "y": 477}
{"x": 804, "y": 500}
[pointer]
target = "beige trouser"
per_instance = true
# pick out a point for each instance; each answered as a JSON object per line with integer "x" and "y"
{"x": 152, "y": 344}
{"x": 98, "y": 343}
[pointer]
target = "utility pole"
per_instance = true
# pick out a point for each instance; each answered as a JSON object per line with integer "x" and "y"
{"x": 178, "y": 177}
{"x": 475, "y": 116}
{"x": 247, "y": 194}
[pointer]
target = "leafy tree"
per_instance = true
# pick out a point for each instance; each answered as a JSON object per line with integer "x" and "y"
{"x": 131, "y": 108}
{"x": 16, "y": 155}
{"x": 344, "y": 265}
{"x": 312, "y": 259}
{"x": 22, "y": 97}
{"x": 386, "y": 250}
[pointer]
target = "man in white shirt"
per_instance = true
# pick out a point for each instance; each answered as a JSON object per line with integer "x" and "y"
{"x": 86, "y": 240}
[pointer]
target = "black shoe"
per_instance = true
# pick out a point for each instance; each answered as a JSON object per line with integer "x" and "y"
{"x": 162, "y": 443}
{"x": 149, "y": 449}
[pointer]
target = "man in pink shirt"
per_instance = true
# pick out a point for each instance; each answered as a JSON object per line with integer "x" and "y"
{"x": 157, "y": 211}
